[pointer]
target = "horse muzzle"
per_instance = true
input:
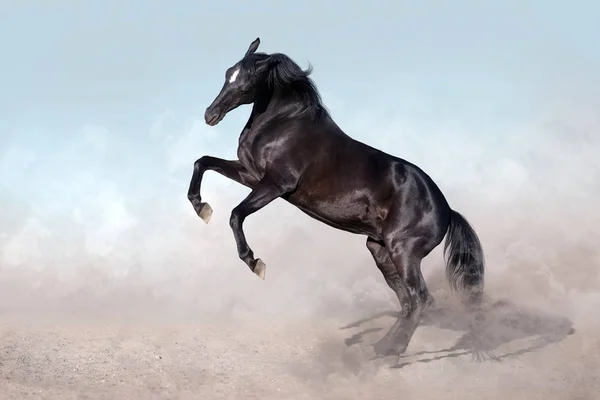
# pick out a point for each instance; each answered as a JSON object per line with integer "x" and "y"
{"x": 213, "y": 116}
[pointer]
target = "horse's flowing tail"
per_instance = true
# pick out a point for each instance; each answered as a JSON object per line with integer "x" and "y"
{"x": 464, "y": 259}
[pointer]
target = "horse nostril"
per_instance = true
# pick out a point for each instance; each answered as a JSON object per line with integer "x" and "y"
{"x": 211, "y": 117}
{"x": 207, "y": 115}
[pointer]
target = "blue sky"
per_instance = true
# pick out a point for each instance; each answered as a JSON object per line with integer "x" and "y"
{"x": 101, "y": 103}
{"x": 116, "y": 63}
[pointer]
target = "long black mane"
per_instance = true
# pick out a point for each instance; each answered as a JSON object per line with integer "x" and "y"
{"x": 289, "y": 80}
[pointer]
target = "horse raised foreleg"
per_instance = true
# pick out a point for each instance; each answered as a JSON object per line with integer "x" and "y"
{"x": 233, "y": 170}
{"x": 263, "y": 193}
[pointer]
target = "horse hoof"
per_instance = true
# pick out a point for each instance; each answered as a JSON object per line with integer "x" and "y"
{"x": 260, "y": 268}
{"x": 205, "y": 213}
{"x": 385, "y": 349}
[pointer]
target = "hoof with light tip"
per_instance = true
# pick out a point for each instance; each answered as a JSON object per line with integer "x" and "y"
{"x": 205, "y": 213}
{"x": 260, "y": 268}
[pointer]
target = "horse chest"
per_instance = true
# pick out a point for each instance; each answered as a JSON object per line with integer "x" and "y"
{"x": 247, "y": 154}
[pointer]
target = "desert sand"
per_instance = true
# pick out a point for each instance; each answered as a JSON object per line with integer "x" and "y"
{"x": 292, "y": 360}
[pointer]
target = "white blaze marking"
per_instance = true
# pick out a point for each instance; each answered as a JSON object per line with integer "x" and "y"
{"x": 233, "y": 76}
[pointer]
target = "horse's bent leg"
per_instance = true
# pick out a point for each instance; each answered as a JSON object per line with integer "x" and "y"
{"x": 263, "y": 193}
{"x": 233, "y": 170}
{"x": 412, "y": 294}
{"x": 384, "y": 263}
{"x": 390, "y": 273}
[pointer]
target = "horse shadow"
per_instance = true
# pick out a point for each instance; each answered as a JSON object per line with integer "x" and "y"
{"x": 500, "y": 323}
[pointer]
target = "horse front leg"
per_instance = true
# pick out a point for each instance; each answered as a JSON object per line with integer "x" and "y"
{"x": 232, "y": 169}
{"x": 263, "y": 193}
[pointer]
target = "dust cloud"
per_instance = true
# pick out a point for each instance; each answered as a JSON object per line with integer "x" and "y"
{"x": 140, "y": 299}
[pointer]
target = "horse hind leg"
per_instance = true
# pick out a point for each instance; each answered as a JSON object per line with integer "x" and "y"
{"x": 390, "y": 273}
{"x": 397, "y": 338}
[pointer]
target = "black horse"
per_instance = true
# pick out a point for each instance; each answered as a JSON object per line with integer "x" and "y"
{"x": 291, "y": 148}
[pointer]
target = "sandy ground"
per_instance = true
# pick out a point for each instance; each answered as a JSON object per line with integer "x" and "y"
{"x": 118, "y": 355}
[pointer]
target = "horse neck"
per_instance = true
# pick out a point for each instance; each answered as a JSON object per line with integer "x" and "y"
{"x": 263, "y": 100}
{"x": 276, "y": 101}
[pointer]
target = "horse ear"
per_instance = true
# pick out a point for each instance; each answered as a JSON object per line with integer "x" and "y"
{"x": 253, "y": 47}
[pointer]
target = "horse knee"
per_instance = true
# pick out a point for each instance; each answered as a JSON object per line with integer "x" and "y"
{"x": 200, "y": 163}
{"x": 235, "y": 219}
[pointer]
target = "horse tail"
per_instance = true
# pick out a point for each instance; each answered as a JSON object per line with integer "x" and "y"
{"x": 464, "y": 259}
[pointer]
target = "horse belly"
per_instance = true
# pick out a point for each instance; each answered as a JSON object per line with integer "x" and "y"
{"x": 348, "y": 212}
